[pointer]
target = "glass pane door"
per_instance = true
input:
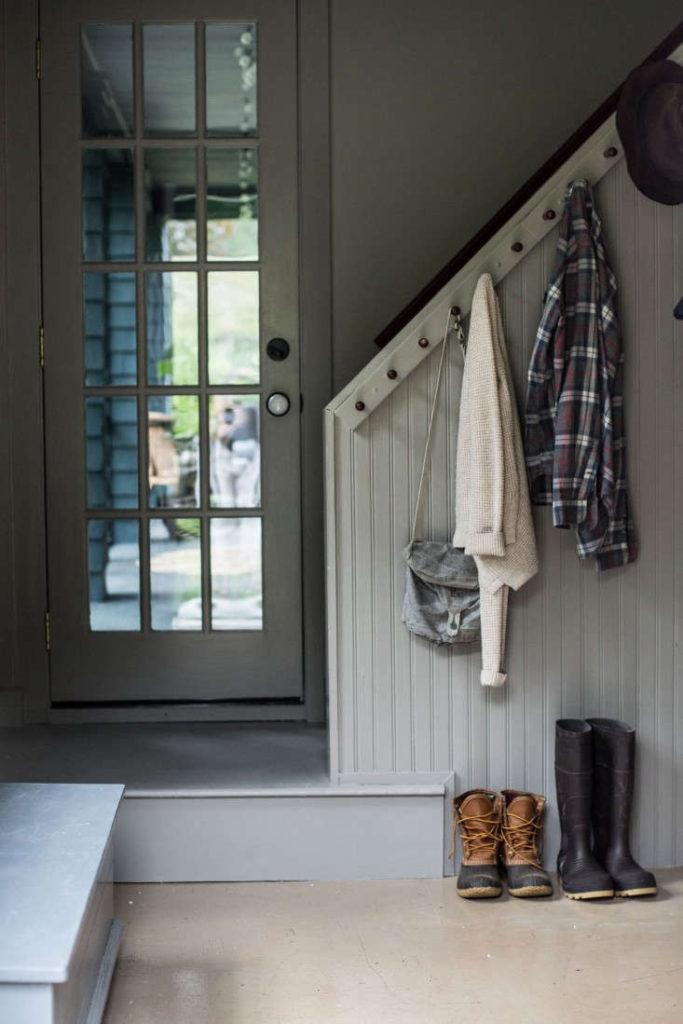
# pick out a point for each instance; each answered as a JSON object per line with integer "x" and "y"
{"x": 170, "y": 259}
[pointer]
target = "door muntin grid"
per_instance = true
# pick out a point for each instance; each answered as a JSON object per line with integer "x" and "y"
{"x": 171, "y": 284}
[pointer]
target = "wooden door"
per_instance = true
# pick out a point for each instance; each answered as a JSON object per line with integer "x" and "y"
{"x": 169, "y": 193}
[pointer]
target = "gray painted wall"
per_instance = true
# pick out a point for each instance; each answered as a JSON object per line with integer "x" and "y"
{"x": 578, "y": 643}
{"x": 440, "y": 111}
{"x": 6, "y": 609}
{"x": 22, "y": 527}
{"x": 425, "y": 101}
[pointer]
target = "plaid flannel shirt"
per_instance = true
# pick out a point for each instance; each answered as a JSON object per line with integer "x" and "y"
{"x": 574, "y": 441}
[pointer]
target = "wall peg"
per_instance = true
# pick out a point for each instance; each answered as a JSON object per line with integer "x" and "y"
{"x": 360, "y": 406}
{"x": 392, "y": 374}
{"x": 423, "y": 342}
{"x": 610, "y": 152}
{"x": 516, "y": 246}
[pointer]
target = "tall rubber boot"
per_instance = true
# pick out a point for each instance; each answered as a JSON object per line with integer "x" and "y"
{"x": 581, "y": 877}
{"x": 614, "y": 755}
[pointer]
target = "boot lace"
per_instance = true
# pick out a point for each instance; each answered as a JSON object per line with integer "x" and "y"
{"x": 521, "y": 840}
{"x": 481, "y": 839}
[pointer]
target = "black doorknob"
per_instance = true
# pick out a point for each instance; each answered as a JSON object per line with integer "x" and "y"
{"x": 277, "y": 349}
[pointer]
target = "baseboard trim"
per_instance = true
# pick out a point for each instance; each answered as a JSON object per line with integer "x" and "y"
{"x": 179, "y": 713}
{"x": 392, "y": 779}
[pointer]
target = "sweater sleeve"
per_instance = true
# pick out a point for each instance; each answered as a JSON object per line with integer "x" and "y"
{"x": 486, "y": 468}
{"x": 494, "y": 613}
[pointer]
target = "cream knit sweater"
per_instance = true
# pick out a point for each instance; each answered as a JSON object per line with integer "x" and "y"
{"x": 493, "y": 511}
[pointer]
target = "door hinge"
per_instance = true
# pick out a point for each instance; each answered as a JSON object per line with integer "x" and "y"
{"x": 41, "y": 345}
{"x": 38, "y": 59}
{"x": 48, "y": 635}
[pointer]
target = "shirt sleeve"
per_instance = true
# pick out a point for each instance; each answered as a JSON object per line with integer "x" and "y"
{"x": 578, "y": 356}
{"x": 543, "y": 384}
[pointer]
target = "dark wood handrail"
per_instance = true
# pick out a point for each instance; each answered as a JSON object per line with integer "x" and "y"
{"x": 536, "y": 181}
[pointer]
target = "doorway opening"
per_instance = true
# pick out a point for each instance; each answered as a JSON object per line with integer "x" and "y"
{"x": 172, "y": 199}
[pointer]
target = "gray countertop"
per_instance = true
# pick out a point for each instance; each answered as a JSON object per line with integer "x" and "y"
{"x": 52, "y": 838}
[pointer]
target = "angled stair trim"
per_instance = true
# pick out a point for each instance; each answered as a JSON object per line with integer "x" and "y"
{"x": 528, "y": 226}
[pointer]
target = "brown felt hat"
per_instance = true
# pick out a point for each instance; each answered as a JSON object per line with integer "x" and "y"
{"x": 650, "y": 125}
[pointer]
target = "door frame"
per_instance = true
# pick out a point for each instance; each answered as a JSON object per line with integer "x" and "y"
{"x": 22, "y": 506}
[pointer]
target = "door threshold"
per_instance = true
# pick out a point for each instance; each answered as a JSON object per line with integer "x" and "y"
{"x": 213, "y": 712}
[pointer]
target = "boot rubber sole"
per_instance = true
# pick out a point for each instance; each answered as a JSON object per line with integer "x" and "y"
{"x": 594, "y": 894}
{"x": 650, "y": 891}
{"x": 480, "y": 892}
{"x": 532, "y": 890}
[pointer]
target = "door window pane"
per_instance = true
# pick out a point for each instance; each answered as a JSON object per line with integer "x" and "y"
{"x": 231, "y": 204}
{"x": 173, "y": 442}
{"x": 231, "y": 79}
{"x": 175, "y": 573}
{"x": 169, "y": 80}
{"x": 171, "y": 300}
{"x": 233, "y": 327}
{"x": 114, "y": 574}
{"x": 170, "y": 202}
{"x": 107, "y": 80}
{"x": 111, "y": 426}
{"x": 109, "y": 329}
{"x": 235, "y": 451}
{"x": 236, "y": 574}
{"x": 108, "y": 205}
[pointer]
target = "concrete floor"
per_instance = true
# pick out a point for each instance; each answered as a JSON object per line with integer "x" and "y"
{"x": 396, "y": 952}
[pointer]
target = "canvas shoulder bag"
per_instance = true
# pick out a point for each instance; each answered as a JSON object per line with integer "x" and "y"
{"x": 441, "y": 601}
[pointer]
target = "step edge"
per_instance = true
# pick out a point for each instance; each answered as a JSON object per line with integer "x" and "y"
{"x": 307, "y": 792}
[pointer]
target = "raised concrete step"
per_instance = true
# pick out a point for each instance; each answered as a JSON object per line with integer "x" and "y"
{"x": 346, "y": 831}
{"x": 58, "y": 938}
{"x": 242, "y": 802}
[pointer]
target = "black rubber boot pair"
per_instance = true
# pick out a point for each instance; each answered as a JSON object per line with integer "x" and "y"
{"x": 594, "y": 774}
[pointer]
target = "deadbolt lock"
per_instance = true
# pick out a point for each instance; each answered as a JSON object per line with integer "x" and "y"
{"x": 277, "y": 349}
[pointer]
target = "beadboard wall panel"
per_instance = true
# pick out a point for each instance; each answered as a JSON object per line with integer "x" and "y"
{"x": 579, "y": 643}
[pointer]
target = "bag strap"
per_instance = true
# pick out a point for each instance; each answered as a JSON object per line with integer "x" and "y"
{"x": 422, "y": 489}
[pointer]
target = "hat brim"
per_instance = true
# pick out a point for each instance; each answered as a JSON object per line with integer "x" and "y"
{"x": 645, "y": 175}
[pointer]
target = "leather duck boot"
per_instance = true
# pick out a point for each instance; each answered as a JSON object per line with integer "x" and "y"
{"x": 581, "y": 877}
{"x": 522, "y": 830}
{"x": 478, "y": 816}
{"x": 614, "y": 752}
